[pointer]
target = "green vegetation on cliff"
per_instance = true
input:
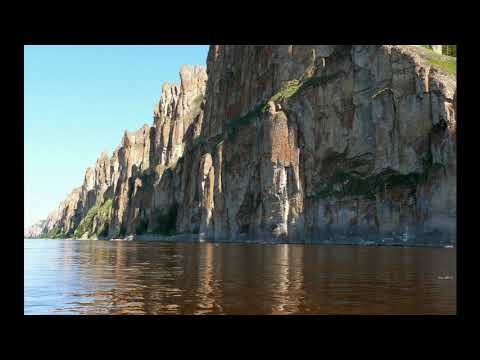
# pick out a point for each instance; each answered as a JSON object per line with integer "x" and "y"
{"x": 102, "y": 215}
{"x": 104, "y": 210}
{"x": 86, "y": 224}
{"x": 446, "y": 62}
{"x": 56, "y": 233}
{"x": 52, "y": 233}
{"x": 343, "y": 184}
{"x": 240, "y": 121}
{"x": 449, "y": 66}
{"x": 290, "y": 88}
{"x": 449, "y": 50}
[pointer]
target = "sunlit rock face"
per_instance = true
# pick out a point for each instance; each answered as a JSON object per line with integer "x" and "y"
{"x": 287, "y": 143}
{"x": 364, "y": 148}
{"x": 144, "y": 176}
{"x": 67, "y": 216}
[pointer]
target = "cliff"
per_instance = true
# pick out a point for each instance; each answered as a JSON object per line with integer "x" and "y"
{"x": 285, "y": 143}
{"x": 34, "y": 231}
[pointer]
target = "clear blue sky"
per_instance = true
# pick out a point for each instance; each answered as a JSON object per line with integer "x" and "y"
{"x": 78, "y": 101}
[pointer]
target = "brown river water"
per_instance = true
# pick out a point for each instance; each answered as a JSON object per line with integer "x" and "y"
{"x": 117, "y": 277}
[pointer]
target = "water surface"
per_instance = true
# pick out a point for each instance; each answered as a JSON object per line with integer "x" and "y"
{"x": 115, "y": 277}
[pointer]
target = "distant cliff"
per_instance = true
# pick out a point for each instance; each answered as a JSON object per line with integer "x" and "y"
{"x": 35, "y": 231}
{"x": 284, "y": 143}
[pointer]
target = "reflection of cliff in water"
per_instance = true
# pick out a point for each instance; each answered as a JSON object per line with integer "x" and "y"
{"x": 160, "y": 278}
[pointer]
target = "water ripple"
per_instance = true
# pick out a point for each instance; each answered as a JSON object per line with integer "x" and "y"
{"x": 102, "y": 277}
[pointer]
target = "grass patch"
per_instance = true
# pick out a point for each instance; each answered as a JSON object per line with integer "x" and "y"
{"x": 449, "y": 50}
{"x": 445, "y": 63}
{"x": 287, "y": 91}
{"x": 449, "y": 66}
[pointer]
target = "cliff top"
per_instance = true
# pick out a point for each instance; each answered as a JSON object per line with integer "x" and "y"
{"x": 447, "y": 65}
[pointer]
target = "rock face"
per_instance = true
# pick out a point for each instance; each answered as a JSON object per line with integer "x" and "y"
{"x": 34, "y": 231}
{"x": 286, "y": 143}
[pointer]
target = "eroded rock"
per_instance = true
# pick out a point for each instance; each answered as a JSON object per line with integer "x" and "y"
{"x": 286, "y": 143}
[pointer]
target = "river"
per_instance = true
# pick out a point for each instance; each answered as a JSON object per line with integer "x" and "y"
{"x": 149, "y": 277}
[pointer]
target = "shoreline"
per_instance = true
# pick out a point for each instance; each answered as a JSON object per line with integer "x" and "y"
{"x": 194, "y": 238}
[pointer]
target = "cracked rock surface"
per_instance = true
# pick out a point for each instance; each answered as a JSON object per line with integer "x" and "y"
{"x": 285, "y": 143}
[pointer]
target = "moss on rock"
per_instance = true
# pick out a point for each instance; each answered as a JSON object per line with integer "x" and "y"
{"x": 342, "y": 184}
{"x": 86, "y": 224}
{"x": 56, "y": 233}
{"x": 101, "y": 214}
{"x": 289, "y": 89}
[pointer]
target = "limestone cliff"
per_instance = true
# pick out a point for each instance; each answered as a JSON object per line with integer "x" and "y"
{"x": 285, "y": 143}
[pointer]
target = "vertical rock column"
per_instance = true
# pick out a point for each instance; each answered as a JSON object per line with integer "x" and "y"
{"x": 207, "y": 182}
{"x": 279, "y": 173}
